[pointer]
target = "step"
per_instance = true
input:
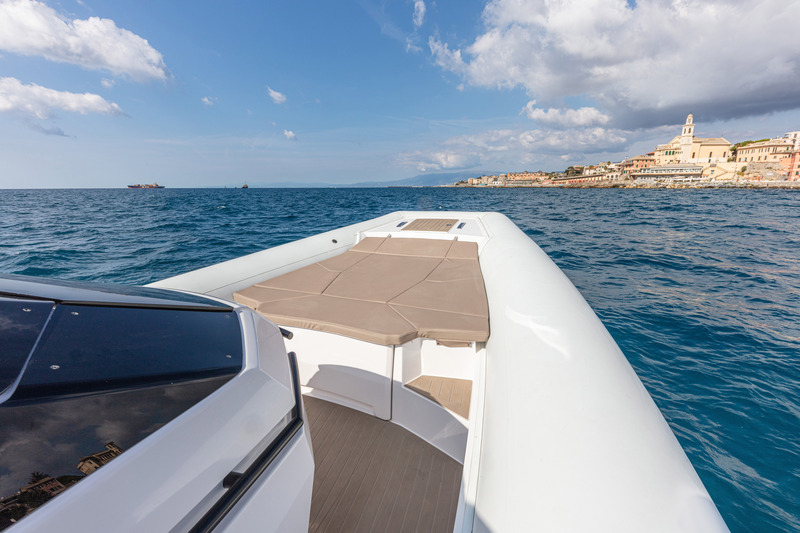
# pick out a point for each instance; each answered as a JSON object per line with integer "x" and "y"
{"x": 452, "y": 394}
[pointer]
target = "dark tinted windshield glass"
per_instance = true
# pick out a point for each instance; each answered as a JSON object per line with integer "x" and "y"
{"x": 48, "y": 446}
{"x": 21, "y": 321}
{"x": 87, "y": 349}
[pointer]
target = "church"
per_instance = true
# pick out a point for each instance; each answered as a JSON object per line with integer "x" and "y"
{"x": 688, "y": 149}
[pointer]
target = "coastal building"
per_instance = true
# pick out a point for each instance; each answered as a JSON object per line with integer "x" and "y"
{"x": 570, "y": 180}
{"x": 794, "y": 136}
{"x": 47, "y": 485}
{"x": 669, "y": 173}
{"x": 599, "y": 168}
{"x": 90, "y": 463}
{"x": 772, "y": 150}
{"x": 613, "y": 173}
{"x": 492, "y": 181}
{"x": 719, "y": 172}
{"x": 513, "y": 177}
{"x": 793, "y": 164}
{"x": 636, "y": 163}
{"x": 690, "y": 150}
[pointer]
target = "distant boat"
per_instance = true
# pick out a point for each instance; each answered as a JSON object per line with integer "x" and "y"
{"x": 153, "y": 185}
{"x": 244, "y": 186}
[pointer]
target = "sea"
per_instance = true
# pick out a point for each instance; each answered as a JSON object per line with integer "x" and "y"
{"x": 699, "y": 287}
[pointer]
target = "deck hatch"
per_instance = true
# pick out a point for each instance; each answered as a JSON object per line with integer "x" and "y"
{"x": 431, "y": 224}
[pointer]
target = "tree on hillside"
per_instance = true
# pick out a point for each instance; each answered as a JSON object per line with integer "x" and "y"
{"x": 574, "y": 170}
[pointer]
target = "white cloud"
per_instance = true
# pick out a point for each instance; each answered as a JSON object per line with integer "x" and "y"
{"x": 377, "y": 11}
{"x": 447, "y": 59}
{"x": 28, "y": 27}
{"x": 411, "y": 46}
{"x": 419, "y": 13}
{"x": 107, "y": 83}
{"x": 512, "y": 149}
{"x": 590, "y": 140}
{"x": 643, "y": 63}
{"x": 565, "y": 118}
{"x": 277, "y": 97}
{"x": 40, "y": 102}
{"x": 442, "y": 160}
{"x": 290, "y": 135}
{"x": 208, "y": 100}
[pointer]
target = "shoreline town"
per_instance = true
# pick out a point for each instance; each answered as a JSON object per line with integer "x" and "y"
{"x": 684, "y": 162}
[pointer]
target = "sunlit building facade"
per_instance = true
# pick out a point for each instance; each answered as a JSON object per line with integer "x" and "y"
{"x": 690, "y": 150}
{"x": 772, "y": 150}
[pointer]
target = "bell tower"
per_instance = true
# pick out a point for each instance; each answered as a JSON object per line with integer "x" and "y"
{"x": 687, "y": 136}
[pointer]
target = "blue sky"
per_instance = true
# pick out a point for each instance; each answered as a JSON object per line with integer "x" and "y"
{"x": 104, "y": 93}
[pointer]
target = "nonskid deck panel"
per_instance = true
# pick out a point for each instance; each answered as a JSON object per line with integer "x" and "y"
{"x": 373, "y": 475}
{"x": 453, "y": 394}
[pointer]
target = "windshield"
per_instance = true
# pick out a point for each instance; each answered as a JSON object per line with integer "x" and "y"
{"x": 99, "y": 380}
{"x": 21, "y": 321}
{"x": 86, "y": 349}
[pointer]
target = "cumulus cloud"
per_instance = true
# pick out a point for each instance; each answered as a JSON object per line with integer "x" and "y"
{"x": 108, "y": 84}
{"x": 589, "y": 140}
{"x": 419, "y": 13}
{"x": 643, "y": 64}
{"x": 565, "y": 118}
{"x": 512, "y": 148}
{"x": 277, "y": 97}
{"x": 290, "y": 135}
{"x": 441, "y": 160}
{"x": 28, "y": 27}
{"x": 40, "y": 102}
{"x": 208, "y": 100}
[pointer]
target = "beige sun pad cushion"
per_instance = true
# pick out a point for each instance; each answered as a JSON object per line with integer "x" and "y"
{"x": 385, "y": 291}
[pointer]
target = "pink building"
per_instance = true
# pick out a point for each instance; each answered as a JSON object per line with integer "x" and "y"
{"x": 794, "y": 166}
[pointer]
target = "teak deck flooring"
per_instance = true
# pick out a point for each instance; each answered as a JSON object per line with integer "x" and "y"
{"x": 431, "y": 224}
{"x": 373, "y": 475}
{"x": 454, "y": 394}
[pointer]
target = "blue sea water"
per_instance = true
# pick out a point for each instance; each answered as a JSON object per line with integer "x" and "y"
{"x": 700, "y": 288}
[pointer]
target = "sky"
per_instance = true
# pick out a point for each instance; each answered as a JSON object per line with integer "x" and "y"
{"x": 99, "y": 93}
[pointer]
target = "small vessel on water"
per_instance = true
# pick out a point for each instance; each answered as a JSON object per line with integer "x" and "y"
{"x": 245, "y": 186}
{"x": 452, "y": 379}
{"x": 153, "y": 185}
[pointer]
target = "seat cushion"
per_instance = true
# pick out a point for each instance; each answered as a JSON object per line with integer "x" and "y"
{"x": 385, "y": 291}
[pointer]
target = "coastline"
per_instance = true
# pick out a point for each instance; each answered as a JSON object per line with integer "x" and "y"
{"x": 633, "y": 185}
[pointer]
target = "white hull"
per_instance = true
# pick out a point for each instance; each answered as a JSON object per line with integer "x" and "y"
{"x": 562, "y": 436}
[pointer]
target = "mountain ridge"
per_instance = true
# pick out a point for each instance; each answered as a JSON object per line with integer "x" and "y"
{"x": 420, "y": 180}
